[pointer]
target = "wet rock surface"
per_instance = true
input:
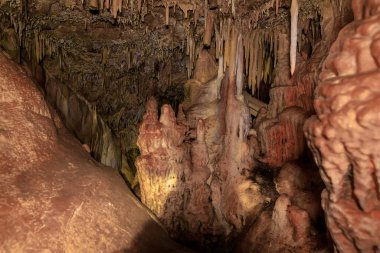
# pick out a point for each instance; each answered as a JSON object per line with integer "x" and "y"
{"x": 54, "y": 196}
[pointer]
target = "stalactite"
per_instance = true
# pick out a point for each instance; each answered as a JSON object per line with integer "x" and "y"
{"x": 260, "y": 61}
{"x": 115, "y": 6}
{"x": 144, "y": 11}
{"x": 293, "y": 35}
{"x": 101, "y": 5}
{"x": 275, "y": 48}
{"x": 139, "y": 5}
{"x": 209, "y": 25}
{"x": 233, "y": 8}
{"x": 277, "y": 7}
{"x": 196, "y": 16}
{"x": 120, "y": 6}
{"x": 254, "y": 56}
{"x": 205, "y": 12}
{"x": 107, "y": 4}
{"x": 240, "y": 67}
{"x": 227, "y": 42}
{"x": 218, "y": 43}
{"x": 93, "y": 4}
{"x": 167, "y": 14}
{"x": 232, "y": 51}
{"x": 185, "y": 7}
{"x": 246, "y": 51}
{"x": 190, "y": 51}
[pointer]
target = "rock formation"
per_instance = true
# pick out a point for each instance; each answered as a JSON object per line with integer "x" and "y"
{"x": 181, "y": 175}
{"x": 214, "y": 151}
{"x": 219, "y": 155}
{"x": 54, "y": 196}
{"x": 344, "y": 134}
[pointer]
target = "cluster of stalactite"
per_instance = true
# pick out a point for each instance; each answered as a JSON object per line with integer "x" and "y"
{"x": 260, "y": 44}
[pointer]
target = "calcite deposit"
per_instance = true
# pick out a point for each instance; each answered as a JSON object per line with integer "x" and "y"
{"x": 200, "y": 178}
{"x": 200, "y": 106}
{"x": 344, "y": 134}
{"x": 54, "y": 196}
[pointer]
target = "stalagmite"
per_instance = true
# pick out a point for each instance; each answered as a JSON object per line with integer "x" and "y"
{"x": 293, "y": 35}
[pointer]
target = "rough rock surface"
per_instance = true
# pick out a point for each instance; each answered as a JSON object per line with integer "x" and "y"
{"x": 54, "y": 196}
{"x": 201, "y": 177}
{"x": 196, "y": 182}
{"x": 344, "y": 136}
{"x": 287, "y": 229}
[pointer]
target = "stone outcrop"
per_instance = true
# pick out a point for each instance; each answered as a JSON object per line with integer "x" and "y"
{"x": 54, "y": 196}
{"x": 344, "y": 134}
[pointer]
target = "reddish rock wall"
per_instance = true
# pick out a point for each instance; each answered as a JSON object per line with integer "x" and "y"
{"x": 344, "y": 136}
{"x": 54, "y": 196}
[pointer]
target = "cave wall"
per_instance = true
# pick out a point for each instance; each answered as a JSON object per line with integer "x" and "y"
{"x": 343, "y": 134}
{"x": 102, "y": 67}
{"x": 54, "y": 196}
{"x": 204, "y": 159}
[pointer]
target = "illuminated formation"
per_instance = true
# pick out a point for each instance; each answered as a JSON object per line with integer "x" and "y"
{"x": 224, "y": 125}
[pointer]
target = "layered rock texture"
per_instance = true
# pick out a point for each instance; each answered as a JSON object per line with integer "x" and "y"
{"x": 344, "y": 134}
{"x": 54, "y": 196}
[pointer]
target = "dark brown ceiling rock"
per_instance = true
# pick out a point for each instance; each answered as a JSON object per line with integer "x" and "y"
{"x": 54, "y": 196}
{"x": 344, "y": 134}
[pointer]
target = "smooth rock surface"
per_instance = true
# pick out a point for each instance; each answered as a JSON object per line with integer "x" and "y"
{"x": 53, "y": 196}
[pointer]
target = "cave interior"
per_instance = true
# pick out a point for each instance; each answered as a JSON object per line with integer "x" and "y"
{"x": 212, "y": 126}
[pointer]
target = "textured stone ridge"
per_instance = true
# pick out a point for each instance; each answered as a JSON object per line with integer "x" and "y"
{"x": 54, "y": 196}
{"x": 345, "y": 137}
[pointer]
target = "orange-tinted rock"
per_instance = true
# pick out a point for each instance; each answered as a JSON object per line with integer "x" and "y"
{"x": 163, "y": 164}
{"x": 287, "y": 229}
{"x": 54, "y": 196}
{"x": 281, "y": 139}
{"x": 212, "y": 171}
{"x": 344, "y": 135}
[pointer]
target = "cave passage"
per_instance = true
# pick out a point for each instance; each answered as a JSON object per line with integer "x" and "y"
{"x": 189, "y": 126}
